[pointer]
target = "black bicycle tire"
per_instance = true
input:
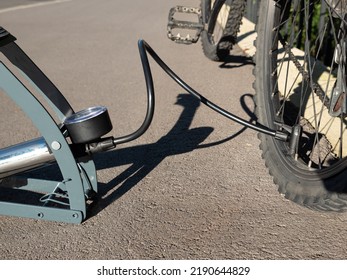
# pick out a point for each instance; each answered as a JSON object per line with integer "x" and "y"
{"x": 326, "y": 193}
{"x": 217, "y": 51}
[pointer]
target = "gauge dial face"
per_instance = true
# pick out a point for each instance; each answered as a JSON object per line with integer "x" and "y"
{"x": 85, "y": 115}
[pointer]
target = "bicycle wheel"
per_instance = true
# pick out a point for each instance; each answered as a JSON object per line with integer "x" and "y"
{"x": 223, "y": 19}
{"x": 300, "y": 86}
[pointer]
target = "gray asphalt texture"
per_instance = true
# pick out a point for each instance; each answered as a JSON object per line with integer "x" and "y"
{"x": 194, "y": 185}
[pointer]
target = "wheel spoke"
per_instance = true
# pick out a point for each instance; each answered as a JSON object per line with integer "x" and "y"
{"x": 306, "y": 85}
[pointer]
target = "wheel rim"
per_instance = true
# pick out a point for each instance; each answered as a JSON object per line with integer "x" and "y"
{"x": 302, "y": 86}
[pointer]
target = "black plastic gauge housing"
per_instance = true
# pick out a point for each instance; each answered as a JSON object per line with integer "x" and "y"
{"x": 88, "y": 125}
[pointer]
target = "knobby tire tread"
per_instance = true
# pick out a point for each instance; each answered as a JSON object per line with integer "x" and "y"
{"x": 218, "y": 52}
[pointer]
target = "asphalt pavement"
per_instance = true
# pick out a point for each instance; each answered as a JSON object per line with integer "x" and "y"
{"x": 11, "y": 4}
{"x": 194, "y": 185}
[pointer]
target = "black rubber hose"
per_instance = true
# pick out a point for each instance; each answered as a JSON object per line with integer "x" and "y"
{"x": 143, "y": 49}
{"x": 150, "y": 98}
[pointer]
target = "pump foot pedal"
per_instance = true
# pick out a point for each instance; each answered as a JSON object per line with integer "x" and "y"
{"x": 184, "y": 31}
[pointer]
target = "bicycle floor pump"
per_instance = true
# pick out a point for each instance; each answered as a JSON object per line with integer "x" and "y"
{"x": 63, "y": 143}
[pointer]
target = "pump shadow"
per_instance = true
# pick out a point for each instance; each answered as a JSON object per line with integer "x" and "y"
{"x": 143, "y": 159}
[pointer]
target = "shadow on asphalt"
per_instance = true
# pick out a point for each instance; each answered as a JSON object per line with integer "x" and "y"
{"x": 235, "y": 61}
{"x": 143, "y": 159}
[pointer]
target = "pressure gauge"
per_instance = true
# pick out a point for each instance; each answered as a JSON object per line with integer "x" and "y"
{"x": 88, "y": 125}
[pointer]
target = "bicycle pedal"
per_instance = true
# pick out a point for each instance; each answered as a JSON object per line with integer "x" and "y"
{"x": 174, "y": 25}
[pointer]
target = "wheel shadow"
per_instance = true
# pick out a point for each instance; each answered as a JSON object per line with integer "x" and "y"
{"x": 143, "y": 159}
{"x": 235, "y": 61}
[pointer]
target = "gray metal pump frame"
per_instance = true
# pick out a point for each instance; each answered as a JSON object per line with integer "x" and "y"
{"x": 79, "y": 174}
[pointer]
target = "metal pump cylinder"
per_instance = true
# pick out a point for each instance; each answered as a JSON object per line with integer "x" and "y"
{"x": 85, "y": 126}
{"x": 24, "y": 156}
